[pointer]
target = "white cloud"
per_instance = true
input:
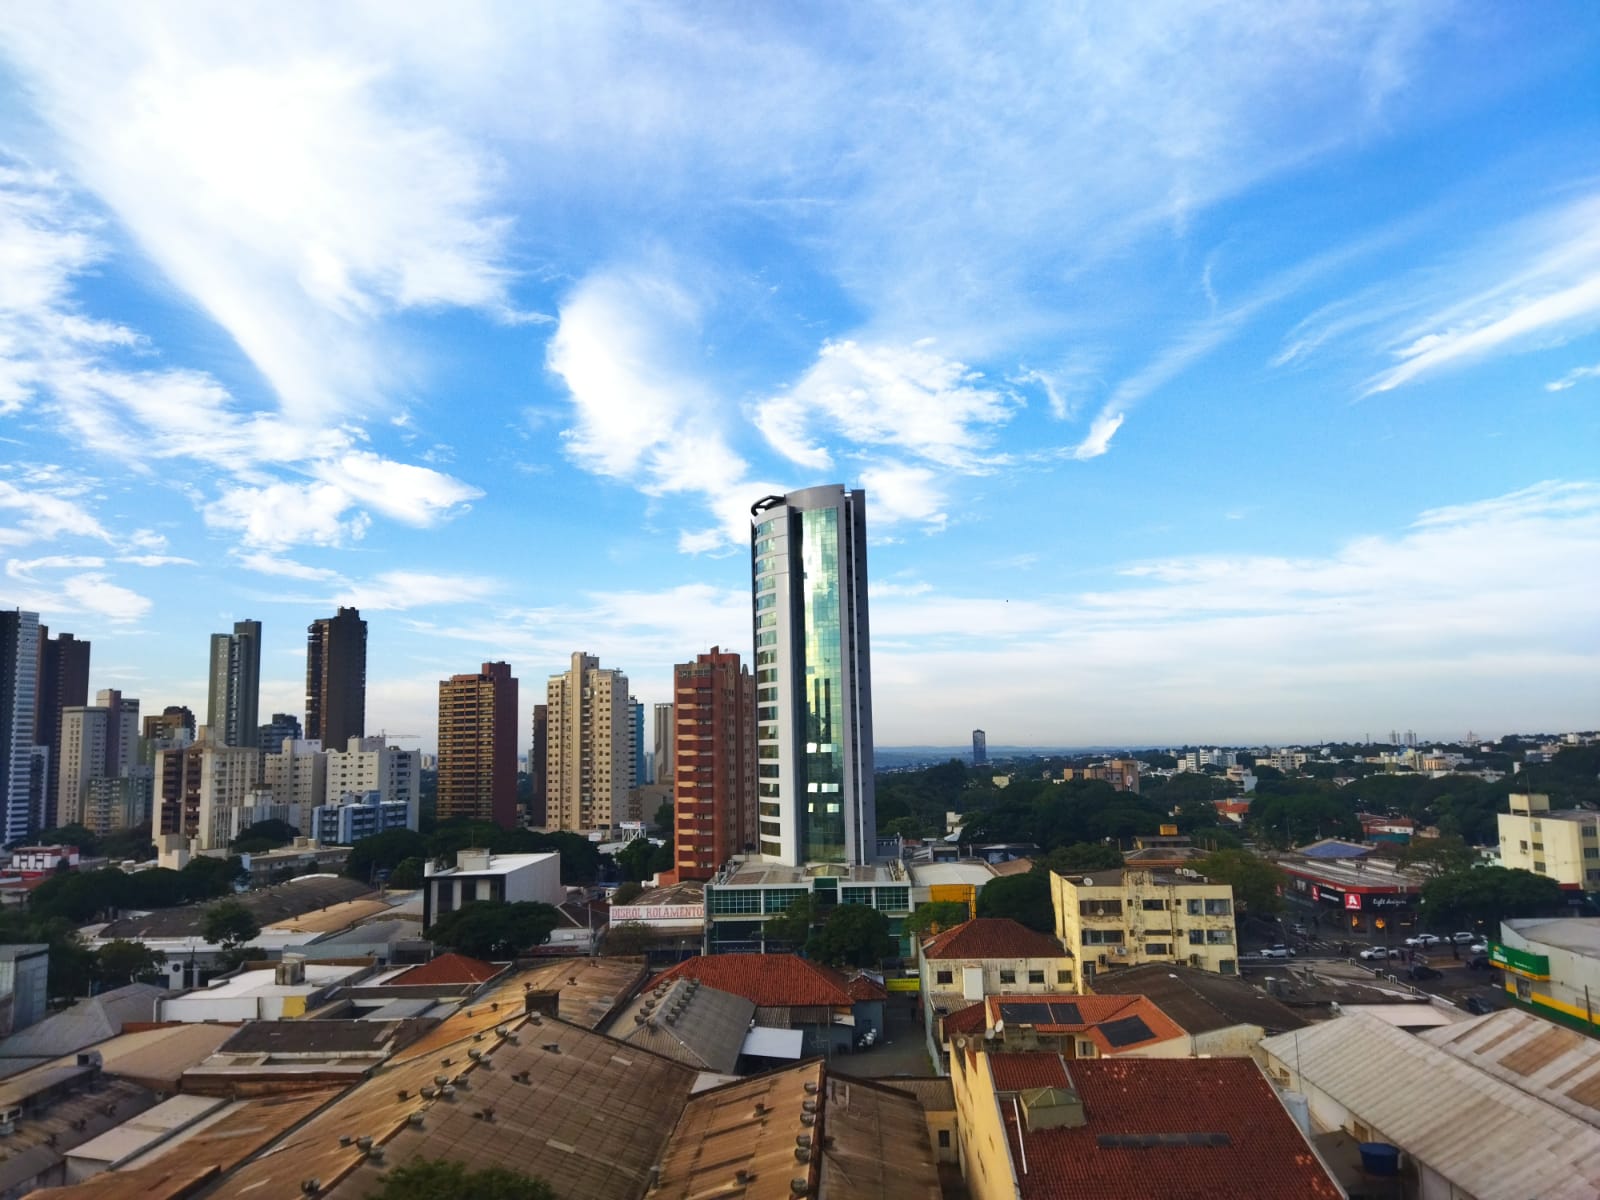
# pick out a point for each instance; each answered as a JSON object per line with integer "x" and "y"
{"x": 267, "y": 171}
{"x": 1318, "y": 645}
{"x": 1101, "y": 430}
{"x": 43, "y": 516}
{"x": 1574, "y": 376}
{"x": 156, "y": 560}
{"x": 417, "y": 496}
{"x": 95, "y": 593}
{"x": 288, "y": 514}
{"x": 273, "y": 564}
{"x": 907, "y": 398}
{"x": 399, "y": 590}
{"x": 899, "y": 492}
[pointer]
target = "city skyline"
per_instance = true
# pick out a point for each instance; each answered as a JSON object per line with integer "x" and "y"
{"x": 1214, "y": 377}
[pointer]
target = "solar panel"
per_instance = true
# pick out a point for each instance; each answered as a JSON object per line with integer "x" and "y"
{"x": 1127, "y": 1031}
{"x": 1039, "y": 1012}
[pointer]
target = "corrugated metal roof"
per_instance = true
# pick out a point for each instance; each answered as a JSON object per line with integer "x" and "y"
{"x": 1552, "y": 1062}
{"x": 1483, "y": 1135}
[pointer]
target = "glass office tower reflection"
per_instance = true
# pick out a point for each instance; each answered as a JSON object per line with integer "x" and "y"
{"x": 813, "y": 678}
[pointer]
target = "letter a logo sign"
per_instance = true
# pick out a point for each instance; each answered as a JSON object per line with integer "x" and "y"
{"x": 1352, "y": 899}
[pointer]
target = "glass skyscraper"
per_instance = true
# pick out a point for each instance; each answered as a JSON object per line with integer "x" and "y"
{"x": 814, "y": 791}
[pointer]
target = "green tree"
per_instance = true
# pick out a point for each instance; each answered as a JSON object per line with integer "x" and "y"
{"x": 1255, "y": 881}
{"x": 793, "y": 925}
{"x": 206, "y": 877}
{"x": 1485, "y": 896}
{"x": 407, "y": 873}
{"x": 1080, "y": 857}
{"x": 663, "y": 817}
{"x": 384, "y": 852}
{"x": 934, "y": 915}
{"x": 628, "y": 940}
{"x": 1438, "y": 856}
{"x": 635, "y": 859}
{"x": 230, "y": 925}
{"x": 627, "y": 893}
{"x": 79, "y": 896}
{"x": 910, "y": 828}
{"x": 263, "y": 836}
{"x": 853, "y": 935}
{"x": 447, "y": 1179}
{"x": 119, "y": 962}
{"x": 1023, "y": 898}
{"x": 494, "y": 930}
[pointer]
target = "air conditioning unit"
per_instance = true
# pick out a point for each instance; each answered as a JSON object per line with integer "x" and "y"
{"x": 1123, "y": 950}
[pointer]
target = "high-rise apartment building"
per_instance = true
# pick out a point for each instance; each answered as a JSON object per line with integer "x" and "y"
{"x": 169, "y": 729}
{"x": 636, "y": 738}
{"x": 815, "y": 800}
{"x": 20, "y": 791}
{"x": 663, "y": 743}
{"x": 539, "y": 765}
{"x": 233, "y": 706}
{"x": 284, "y": 727}
{"x": 589, "y": 764}
{"x": 84, "y": 735}
{"x": 122, "y": 731}
{"x": 336, "y": 678}
{"x": 370, "y": 766}
{"x": 63, "y": 681}
{"x": 714, "y": 778}
{"x": 297, "y": 775}
{"x": 478, "y": 746}
{"x": 198, "y": 788}
{"x": 980, "y": 748}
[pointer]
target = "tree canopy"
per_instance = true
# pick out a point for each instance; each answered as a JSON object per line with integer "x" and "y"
{"x": 1482, "y": 897}
{"x": 229, "y": 924}
{"x": 119, "y": 962}
{"x": 934, "y": 915}
{"x": 494, "y": 930}
{"x": 447, "y": 1179}
{"x": 853, "y": 935}
{"x": 1023, "y": 898}
{"x": 1256, "y": 882}
{"x": 263, "y": 836}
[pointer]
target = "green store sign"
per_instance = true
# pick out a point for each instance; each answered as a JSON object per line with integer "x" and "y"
{"x": 1534, "y": 966}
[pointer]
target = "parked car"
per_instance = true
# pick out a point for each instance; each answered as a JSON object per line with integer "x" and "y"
{"x": 1279, "y": 951}
{"x": 1299, "y": 931}
{"x": 1376, "y": 954}
{"x": 1420, "y": 940}
{"x": 1478, "y": 948}
{"x": 1463, "y": 939}
{"x": 1477, "y": 1007}
{"x": 1418, "y": 971}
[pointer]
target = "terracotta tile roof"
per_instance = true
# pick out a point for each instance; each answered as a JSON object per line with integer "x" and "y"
{"x": 1265, "y": 1156}
{"x": 1113, "y": 1023}
{"x": 447, "y": 968}
{"x": 865, "y": 987}
{"x": 973, "y": 1019}
{"x": 768, "y": 980}
{"x": 992, "y": 937}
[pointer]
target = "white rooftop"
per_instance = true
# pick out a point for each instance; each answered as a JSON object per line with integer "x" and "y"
{"x": 264, "y": 983}
{"x": 972, "y": 872}
{"x": 1483, "y": 1135}
{"x": 1581, "y": 935}
{"x": 481, "y": 862}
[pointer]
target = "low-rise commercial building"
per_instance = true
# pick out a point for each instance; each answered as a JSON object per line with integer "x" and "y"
{"x": 1560, "y": 844}
{"x": 274, "y": 992}
{"x": 1041, "y": 1127}
{"x": 481, "y": 875}
{"x": 986, "y": 956}
{"x": 1461, "y": 1130}
{"x": 1552, "y": 967}
{"x": 747, "y": 894}
{"x": 1365, "y": 898}
{"x": 1121, "y": 918}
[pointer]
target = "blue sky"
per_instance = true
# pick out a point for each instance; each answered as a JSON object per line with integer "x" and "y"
{"x": 1216, "y": 372}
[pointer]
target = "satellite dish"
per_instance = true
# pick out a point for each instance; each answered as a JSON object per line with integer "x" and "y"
{"x": 1088, "y": 881}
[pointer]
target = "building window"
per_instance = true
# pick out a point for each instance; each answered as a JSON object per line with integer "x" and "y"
{"x": 1102, "y": 937}
{"x": 1591, "y": 851}
{"x": 1008, "y": 976}
{"x": 944, "y": 976}
{"x": 1158, "y": 947}
{"x": 1100, "y": 908}
{"x": 1063, "y": 976}
{"x": 1197, "y": 937}
{"x": 1219, "y": 937}
{"x": 1086, "y": 1049}
{"x": 1035, "y": 976}
{"x": 944, "y": 1139}
{"x": 1153, "y": 905}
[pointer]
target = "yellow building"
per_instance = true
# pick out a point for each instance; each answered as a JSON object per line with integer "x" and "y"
{"x": 1121, "y": 918}
{"x": 1562, "y": 844}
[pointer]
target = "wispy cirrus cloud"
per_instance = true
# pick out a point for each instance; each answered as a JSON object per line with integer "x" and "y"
{"x": 1573, "y": 377}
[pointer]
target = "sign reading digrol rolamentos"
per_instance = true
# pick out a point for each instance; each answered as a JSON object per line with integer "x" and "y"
{"x": 1520, "y": 962}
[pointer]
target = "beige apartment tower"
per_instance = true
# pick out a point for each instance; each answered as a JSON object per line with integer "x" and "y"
{"x": 589, "y": 749}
